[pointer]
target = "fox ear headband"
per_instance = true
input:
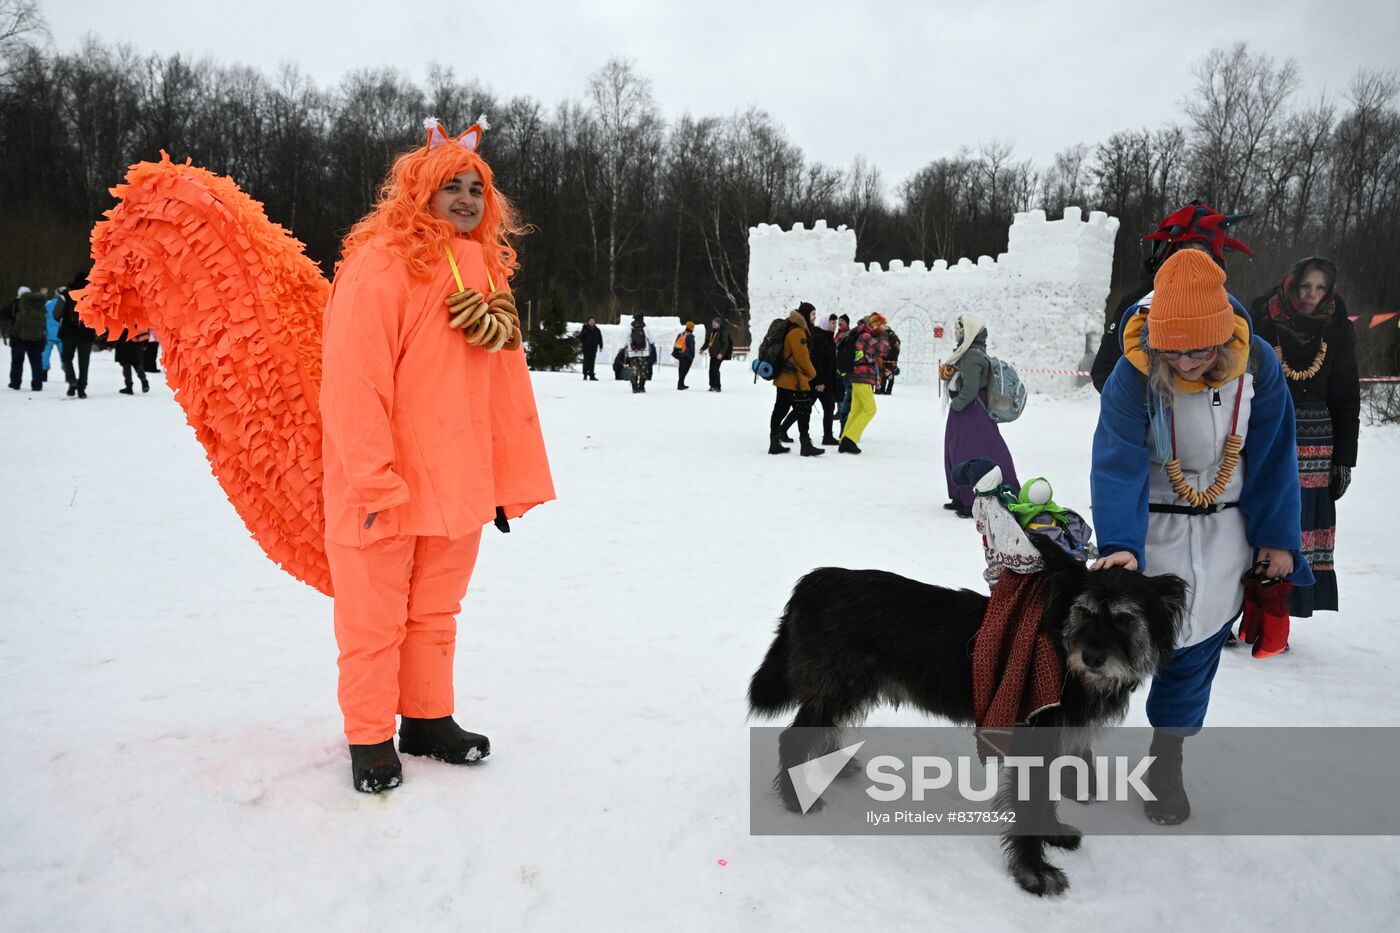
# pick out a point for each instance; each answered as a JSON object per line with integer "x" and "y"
{"x": 438, "y": 135}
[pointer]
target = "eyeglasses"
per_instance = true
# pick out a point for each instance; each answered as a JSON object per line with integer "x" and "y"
{"x": 1201, "y": 354}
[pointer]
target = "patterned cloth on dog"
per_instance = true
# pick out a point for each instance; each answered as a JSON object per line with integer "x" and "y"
{"x": 1017, "y": 671}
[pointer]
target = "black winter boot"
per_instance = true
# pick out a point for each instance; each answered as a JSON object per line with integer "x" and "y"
{"x": 774, "y": 446}
{"x": 830, "y": 441}
{"x": 1163, "y": 778}
{"x": 375, "y": 768}
{"x": 442, "y": 739}
{"x": 848, "y": 446}
{"x": 809, "y": 449}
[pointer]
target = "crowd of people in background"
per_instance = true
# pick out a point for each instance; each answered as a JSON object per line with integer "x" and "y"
{"x": 39, "y": 326}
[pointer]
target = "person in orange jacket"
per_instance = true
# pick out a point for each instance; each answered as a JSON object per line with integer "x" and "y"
{"x": 795, "y": 384}
{"x": 430, "y": 433}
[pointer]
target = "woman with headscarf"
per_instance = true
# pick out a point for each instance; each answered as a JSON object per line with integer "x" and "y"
{"x": 970, "y": 432}
{"x": 1305, "y": 321}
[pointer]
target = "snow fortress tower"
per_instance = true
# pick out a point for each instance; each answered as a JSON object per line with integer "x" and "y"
{"x": 1038, "y": 299}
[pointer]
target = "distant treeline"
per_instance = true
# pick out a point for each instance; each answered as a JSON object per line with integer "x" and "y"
{"x": 634, "y": 213}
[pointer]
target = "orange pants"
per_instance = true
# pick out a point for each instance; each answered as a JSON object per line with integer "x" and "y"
{"x": 396, "y": 605}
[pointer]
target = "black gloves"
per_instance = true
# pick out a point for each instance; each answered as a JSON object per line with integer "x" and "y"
{"x": 1341, "y": 479}
{"x": 501, "y": 523}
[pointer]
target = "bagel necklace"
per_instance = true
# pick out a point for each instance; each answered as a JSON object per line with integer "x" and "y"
{"x": 487, "y": 321}
{"x": 1298, "y": 375}
{"x": 1229, "y": 462}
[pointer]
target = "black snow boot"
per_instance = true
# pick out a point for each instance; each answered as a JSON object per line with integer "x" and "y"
{"x": 809, "y": 449}
{"x": 830, "y": 441}
{"x": 848, "y": 446}
{"x": 375, "y": 768}
{"x": 1163, "y": 778}
{"x": 774, "y": 446}
{"x": 442, "y": 739}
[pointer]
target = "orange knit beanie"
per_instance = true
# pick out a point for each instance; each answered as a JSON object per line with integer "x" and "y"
{"x": 1190, "y": 309}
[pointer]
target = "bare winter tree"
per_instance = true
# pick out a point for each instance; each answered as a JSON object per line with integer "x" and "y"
{"x": 629, "y": 139}
{"x": 1066, "y": 181}
{"x": 1237, "y": 109}
{"x": 21, "y": 23}
{"x": 864, "y": 196}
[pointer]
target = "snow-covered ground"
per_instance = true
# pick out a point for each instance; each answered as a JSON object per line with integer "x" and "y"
{"x": 174, "y": 757}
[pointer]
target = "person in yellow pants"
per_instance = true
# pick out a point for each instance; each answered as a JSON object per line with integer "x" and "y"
{"x": 871, "y": 346}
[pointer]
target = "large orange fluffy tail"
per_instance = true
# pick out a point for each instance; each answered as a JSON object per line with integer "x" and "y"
{"x": 237, "y": 307}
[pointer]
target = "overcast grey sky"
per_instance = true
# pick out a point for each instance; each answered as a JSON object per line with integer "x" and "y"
{"x": 898, "y": 82}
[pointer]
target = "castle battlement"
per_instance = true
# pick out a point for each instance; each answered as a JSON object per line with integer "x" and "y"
{"x": 1038, "y": 299}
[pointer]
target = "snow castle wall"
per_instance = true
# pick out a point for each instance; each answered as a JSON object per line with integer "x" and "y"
{"x": 1038, "y": 299}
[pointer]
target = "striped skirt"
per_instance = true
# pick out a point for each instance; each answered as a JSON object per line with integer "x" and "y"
{"x": 1319, "y": 516}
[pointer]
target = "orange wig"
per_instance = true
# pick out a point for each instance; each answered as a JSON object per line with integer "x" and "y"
{"x": 401, "y": 221}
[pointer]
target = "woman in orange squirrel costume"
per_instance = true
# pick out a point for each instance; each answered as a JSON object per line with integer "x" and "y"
{"x": 429, "y": 433}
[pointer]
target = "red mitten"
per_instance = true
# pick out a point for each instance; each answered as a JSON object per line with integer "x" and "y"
{"x": 1252, "y": 622}
{"x": 1273, "y": 608}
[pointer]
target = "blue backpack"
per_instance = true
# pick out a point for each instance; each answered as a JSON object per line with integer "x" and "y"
{"x": 1006, "y": 396}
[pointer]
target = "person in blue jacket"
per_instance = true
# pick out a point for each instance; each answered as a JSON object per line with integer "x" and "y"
{"x": 1195, "y": 473}
{"x": 51, "y": 341}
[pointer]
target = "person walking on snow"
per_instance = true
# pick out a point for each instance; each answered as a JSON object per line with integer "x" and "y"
{"x": 684, "y": 352}
{"x": 795, "y": 384}
{"x": 27, "y": 335}
{"x": 130, "y": 354}
{"x": 1170, "y": 496}
{"x": 77, "y": 340}
{"x": 720, "y": 346}
{"x": 823, "y": 352}
{"x": 53, "y": 312}
{"x": 868, "y": 348}
{"x": 639, "y": 350}
{"x": 592, "y": 340}
{"x": 970, "y": 432}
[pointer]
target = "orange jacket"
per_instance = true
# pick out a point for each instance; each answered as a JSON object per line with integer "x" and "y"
{"x": 419, "y": 425}
{"x": 800, "y": 377}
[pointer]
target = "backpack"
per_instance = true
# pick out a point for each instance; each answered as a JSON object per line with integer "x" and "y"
{"x": 638, "y": 340}
{"x": 770, "y": 351}
{"x": 29, "y": 322}
{"x": 678, "y": 350}
{"x": 1006, "y": 396}
{"x": 846, "y": 354}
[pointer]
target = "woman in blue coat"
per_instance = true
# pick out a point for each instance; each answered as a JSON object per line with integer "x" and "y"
{"x": 1195, "y": 473}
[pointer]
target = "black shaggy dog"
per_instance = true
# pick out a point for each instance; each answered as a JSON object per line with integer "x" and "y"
{"x": 852, "y": 639}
